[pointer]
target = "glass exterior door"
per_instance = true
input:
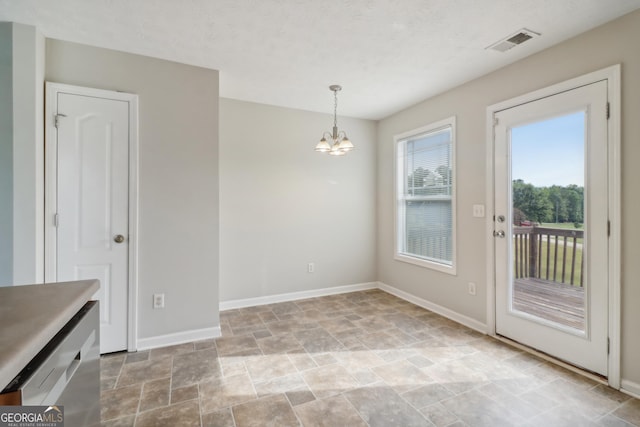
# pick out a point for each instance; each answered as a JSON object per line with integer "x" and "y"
{"x": 551, "y": 225}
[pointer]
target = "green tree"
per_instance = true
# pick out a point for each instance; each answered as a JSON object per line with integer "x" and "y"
{"x": 518, "y": 216}
{"x": 559, "y": 204}
{"x": 574, "y": 197}
{"x": 532, "y": 201}
{"x": 549, "y": 204}
{"x": 445, "y": 173}
{"x": 416, "y": 179}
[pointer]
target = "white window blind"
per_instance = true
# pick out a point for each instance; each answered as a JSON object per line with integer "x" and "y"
{"x": 425, "y": 190}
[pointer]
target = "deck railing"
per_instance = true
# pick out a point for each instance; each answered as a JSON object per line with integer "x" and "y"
{"x": 551, "y": 254}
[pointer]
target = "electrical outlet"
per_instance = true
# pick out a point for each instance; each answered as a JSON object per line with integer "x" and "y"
{"x": 311, "y": 267}
{"x": 472, "y": 288}
{"x": 158, "y": 300}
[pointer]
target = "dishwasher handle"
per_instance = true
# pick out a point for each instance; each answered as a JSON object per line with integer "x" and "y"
{"x": 66, "y": 372}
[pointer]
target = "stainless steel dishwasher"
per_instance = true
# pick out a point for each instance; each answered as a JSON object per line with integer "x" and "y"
{"x": 66, "y": 371}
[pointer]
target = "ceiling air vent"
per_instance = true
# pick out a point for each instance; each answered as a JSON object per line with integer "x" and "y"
{"x": 513, "y": 40}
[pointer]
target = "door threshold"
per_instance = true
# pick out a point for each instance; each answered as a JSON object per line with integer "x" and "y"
{"x": 566, "y": 365}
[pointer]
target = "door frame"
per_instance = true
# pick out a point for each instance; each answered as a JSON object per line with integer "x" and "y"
{"x": 612, "y": 76}
{"x": 51, "y": 191}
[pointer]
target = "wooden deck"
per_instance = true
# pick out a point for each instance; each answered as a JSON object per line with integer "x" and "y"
{"x": 560, "y": 303}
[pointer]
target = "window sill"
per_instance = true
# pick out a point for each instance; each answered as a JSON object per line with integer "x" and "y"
{"x": 431, "y": 265}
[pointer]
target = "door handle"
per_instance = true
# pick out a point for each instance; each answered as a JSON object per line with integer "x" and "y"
{"x": 119, "y": 238}
{"x": 499, "y": 234}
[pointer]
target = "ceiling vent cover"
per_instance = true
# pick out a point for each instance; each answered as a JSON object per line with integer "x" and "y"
{"x": 513, "y": 40}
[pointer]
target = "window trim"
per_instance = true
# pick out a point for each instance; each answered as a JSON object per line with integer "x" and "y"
{"x": 399, "y": 173}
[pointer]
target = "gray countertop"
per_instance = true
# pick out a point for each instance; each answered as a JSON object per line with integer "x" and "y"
{"x": 31, "y": 315}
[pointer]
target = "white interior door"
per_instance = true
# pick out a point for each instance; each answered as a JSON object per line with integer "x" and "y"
{"x": 551, "y": 222}
{"x": 92, "y": 204}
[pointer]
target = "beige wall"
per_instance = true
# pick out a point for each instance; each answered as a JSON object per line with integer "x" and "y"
{"x": 282, "y": 205}
{"x": 28, "y": 155}
{"x": 613, "y": 43}
{"x": 178, "y": 177}
{"x": 21, "y": 154}
{"x": 6, "y": 153}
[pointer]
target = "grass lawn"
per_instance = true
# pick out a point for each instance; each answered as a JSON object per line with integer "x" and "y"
{"x": 569, "y": 258}
{"x": 563, "y": 225}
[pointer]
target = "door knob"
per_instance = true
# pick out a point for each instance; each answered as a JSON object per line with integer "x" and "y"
{"x": 119, "y": 238}
{"x": 500, "y": 218}
{"x": 499, "y": 234}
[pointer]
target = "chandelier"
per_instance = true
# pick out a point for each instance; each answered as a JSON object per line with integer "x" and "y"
{"x": 340, "y": 143}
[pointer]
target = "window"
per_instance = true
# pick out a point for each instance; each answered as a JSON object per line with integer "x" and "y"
{"x": 425, "y": 189}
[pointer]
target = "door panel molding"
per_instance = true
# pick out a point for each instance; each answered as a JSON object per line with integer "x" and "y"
{"x": 612, "y": 76}
{"x": 51, "y": 94}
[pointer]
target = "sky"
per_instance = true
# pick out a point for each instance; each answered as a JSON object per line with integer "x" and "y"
{"x": 550, "y": 152}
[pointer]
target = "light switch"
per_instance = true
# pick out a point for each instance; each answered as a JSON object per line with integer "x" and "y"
{"x": 478, "y": 211}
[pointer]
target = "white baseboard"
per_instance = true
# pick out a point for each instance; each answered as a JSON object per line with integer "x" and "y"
{"x": 631, "y": 388}
{"x": 272, "y": 299}
{"x": 179, "y": 338}
{"x": 443, "y": 311}
{"x": 215, "y": 332}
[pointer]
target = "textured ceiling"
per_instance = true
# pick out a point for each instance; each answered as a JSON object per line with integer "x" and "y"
{"x": 387, "y": 54}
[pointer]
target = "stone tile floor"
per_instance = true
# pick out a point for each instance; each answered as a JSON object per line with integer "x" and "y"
{"x": 357, "y": 359}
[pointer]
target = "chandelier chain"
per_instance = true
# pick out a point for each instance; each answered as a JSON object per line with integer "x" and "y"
{"x": 335, "y": 108}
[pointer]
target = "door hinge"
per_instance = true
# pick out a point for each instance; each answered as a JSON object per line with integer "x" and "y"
{"x": 608, "y": 228}
{"x": 608, "y": 110}
{"x": 608, "y": 345}
{"x": 495, "y": 121}
{"x": 55, "y": 220}
{"x": 57, "y": 119}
